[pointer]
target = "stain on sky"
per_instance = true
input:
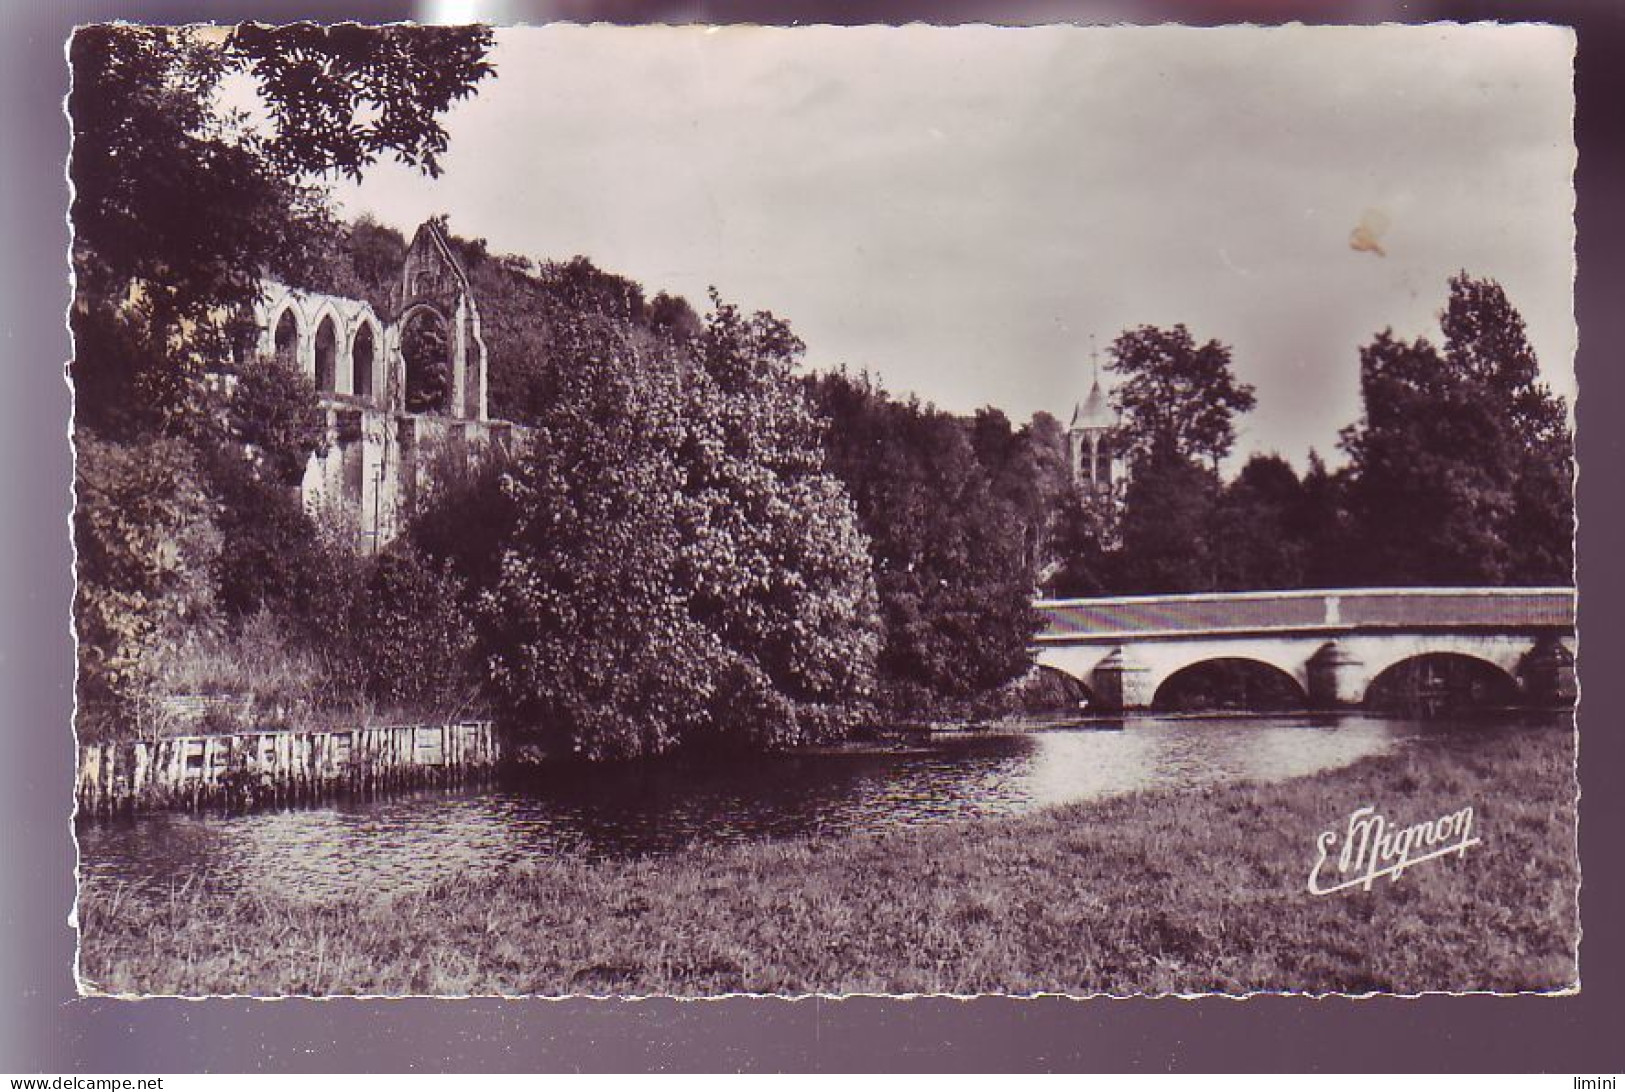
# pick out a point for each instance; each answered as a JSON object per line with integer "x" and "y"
{"x": 1367, "y": 234}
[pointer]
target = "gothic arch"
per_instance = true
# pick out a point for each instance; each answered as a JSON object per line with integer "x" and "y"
{"x": 366, "y": 350}
{"x": 428, "y": 359}
{"x": 325, "y": 351}
{"x": 288, "y": 333}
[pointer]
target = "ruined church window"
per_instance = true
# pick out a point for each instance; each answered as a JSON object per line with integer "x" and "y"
{"x": 361, "y": 356}
{"x": 286, "y": 339}
{"x": 425, "y": 350}
{"x": 326, "y": 356}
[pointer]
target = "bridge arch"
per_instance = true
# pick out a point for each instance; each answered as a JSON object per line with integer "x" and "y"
{"x": 1504, "y": 651}
{"x": 1433, "y": 681}
{"x": 1057, "y": 688}
{"x": 1230, "y": 681}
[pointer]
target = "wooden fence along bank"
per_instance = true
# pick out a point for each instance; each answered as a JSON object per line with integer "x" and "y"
{"x": 260, "y": 768}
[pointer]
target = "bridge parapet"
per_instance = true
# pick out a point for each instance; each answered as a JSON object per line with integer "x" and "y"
{"x": 1320, "y": 611}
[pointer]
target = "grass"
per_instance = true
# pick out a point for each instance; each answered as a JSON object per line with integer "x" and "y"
{"x": 253, "y": 678}
{"x": 1165, "y": 892}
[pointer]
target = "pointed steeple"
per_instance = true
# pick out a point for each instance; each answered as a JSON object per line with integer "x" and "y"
{"x": 1095, "y": 412}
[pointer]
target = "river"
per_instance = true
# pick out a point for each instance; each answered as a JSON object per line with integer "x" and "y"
{"x": 365, "y": 848}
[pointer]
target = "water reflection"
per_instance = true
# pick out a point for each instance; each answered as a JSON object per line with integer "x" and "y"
{"x": 409, "y": 841}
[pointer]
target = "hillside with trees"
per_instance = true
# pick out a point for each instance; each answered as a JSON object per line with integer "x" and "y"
{"x": 703, "y": 544}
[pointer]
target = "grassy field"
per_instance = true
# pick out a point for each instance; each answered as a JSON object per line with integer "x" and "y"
{"x": 1152, "y": 893}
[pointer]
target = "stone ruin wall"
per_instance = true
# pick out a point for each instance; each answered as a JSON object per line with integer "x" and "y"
{"x": 380, "y": 457}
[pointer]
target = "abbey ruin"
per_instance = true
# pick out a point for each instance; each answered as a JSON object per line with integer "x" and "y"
{"x": 400, "y": 392}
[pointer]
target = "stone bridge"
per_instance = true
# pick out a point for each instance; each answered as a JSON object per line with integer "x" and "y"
{"x": 1333, "y": 644}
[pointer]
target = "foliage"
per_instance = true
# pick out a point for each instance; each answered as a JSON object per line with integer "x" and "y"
{"x": 260, "y": 674}
{"x": 360, "y": 261}
{"x": 426, "y": 354}
{"x": 1257, "y": 536}
{"x": 522, "y": 304}
{"x": 950, "y": 551}
{"x": 797, "y": 596}
{"x": 179, "y": 210}
{"x": 1167, "y": 512}
{"x": 412, "y": 644}
{"x": 1461, "y": 464}
{"x": 463, "y": 516}
{"x": 1087, "y": 537}
{"x": 273, "y": 411}
{"x": 269, "y": 546}
{"x": 1460, "y": 472}
{"x": 681, "y": 569}
{"x": 144, "y": 537}
{"x": 174, "y": 222}
{"x": 341, "y": 95}
{"x": 593, "y": 642}
{"x": 1176, "y": 398}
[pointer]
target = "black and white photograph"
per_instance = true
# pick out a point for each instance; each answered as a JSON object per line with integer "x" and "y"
{"x": 698, "y": 511}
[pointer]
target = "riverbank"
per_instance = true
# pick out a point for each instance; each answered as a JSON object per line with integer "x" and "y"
{"x": 1154, "y": 892}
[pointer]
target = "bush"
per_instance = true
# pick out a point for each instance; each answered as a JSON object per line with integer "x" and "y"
{"x": 269, "y": 549}
{"x": 412, "y": 644}
{"x": 145, "y": 538}
{"x": 273, "y": 409}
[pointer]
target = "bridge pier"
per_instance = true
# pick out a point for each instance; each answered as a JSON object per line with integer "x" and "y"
{"x": 1337, "y": 677}
{"x": 1122, "y": 682}
{"x": 1547, "y": 673}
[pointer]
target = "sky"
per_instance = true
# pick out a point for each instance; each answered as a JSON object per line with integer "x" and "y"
{"x": 965, "y": 211}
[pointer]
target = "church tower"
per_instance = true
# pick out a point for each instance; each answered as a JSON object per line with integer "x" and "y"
{"x": 1090, "y": 443}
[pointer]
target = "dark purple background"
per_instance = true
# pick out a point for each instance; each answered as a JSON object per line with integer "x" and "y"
{"x": 45, "y": 1028}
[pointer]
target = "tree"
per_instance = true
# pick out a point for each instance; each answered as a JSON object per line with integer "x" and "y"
{"x": 272, "y": 411}
{"x": 797, "y": 596}
{"x": 174, "y": 223}
{"x": 681, "y": 569}
{"x": 426, "y": 354}
{"x": 417, "y": 648}
{"x": 144, "y": 541}
{"x": 951, "y": 561}
{"x": 361, "y": 261}
{"x": 1166, "y": 527}
{"x": 592, "y": 646}
{"x": 1253, "y": 538}
{"x": 1085, "y": 547}
{"x": 1322, "y": 524}
{"x": 1485, "y": 339}
{"x": 342, "y": 95}
{"x": 1176, "y": 397}
{"x": 1461, "y": 464}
